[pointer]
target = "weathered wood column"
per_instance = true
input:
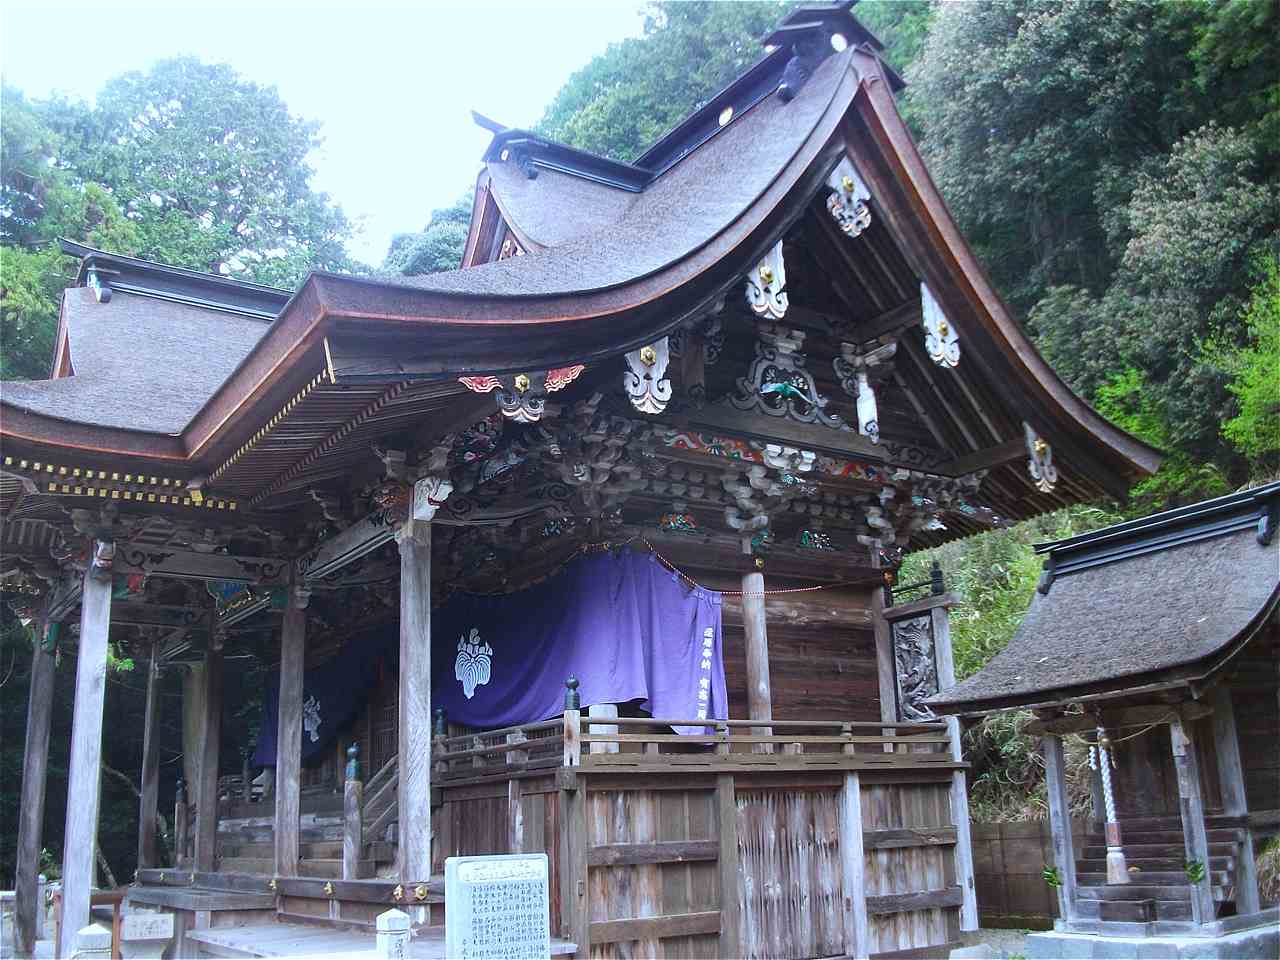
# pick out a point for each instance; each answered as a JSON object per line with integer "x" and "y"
{"x": 1235, "y": 803}
{"x": 352, "y": 815}
{"x": 608, "y": 711}
{"x": 150, "y": 793}
{"x": 1191, "y": 805}
{"x": 206, "y": 792}
{"x": 85, "y": 767}
{"x": 1064, "y": 854}
{"x": 856, "y": 923}
{"x": 293, "y": 656}
{"x": 414, "y": 789}
{"x": 35, "y": 763}
{"x": 759, "y": 693}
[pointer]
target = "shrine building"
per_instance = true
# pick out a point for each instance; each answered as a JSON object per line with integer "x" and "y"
{"x": 588, "y": 547}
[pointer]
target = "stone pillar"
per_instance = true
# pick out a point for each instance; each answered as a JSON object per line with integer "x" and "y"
{"x": 91, "y": 943}
{"x": 80, "y": 836}
{"x": 288, "y": 780}
{"x": 606, "y": 710}
{"x": 150, "y": 793}
{"x": 28, "y": 890}
{"x": 393, "y": 935}
{"x": 759, "y": 694}
{"x": 414, "y": 788}
{"x": 206, "y": 791}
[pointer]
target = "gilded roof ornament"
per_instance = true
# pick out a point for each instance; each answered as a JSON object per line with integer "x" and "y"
{"x": 767, "y": 286}
{"x": 847, "y": 203}
{"x": 941, "y": 339}
{"x": 1040, "y": 460}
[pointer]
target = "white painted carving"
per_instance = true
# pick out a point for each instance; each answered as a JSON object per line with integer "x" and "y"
{"x": 1040, "y": 460}
{"x": 311, "y": 719}
{"x": 472, "y": 667}
{"x": 848, "y": 204}
{"x": 646, "y": 380}
{"x": 767, "y": 286}
{"x": 941, "y": 339}
{"x": 429, "y": 494}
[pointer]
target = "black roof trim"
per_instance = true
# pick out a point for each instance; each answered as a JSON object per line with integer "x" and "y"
{"x": 531, "y": 151}
{"x": 1258, "y": 507}
{"x": 142, "y": 277}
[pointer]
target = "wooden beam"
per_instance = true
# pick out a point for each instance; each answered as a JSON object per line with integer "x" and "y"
{"x": 1191, "y": 806}
{"x": 35, "y": 763}
{"x": 207, "y": 788}
{"x": 806, "y": 436}
{"x": 192, "y": 565}
{"x": 293, "y": 665}
{"x": 729, "y": 873}
{"x": 857, "y": 930}
{"x": 1064, "y": 854}
{"x": 1114, "y": 719}
{"x": 985, "y": 459}
{"x": 1235, "y": 801}
{"x": 756, "y": 638}
{"x": 362, "y": 537}
{"x": 150, "y": 793}
{"x": 80, "y": 836}
{"x": 654, "y": 928}
{"x": 414, "y": 788}
{"x": 906, "y": 902}
{"x": 667, "y": 851}
{"x": 894, "y": 839}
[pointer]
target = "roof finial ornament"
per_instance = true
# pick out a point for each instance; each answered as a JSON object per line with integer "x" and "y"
{"x": 941, "y": 339}
{"x": 1040, "y": 460}
{"x": 101, "y": 289}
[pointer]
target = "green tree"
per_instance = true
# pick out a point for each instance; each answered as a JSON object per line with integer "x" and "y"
{"x": 213, "y": 167}
{"x": 438, "y": 247}
{"x": 1255, "y": 375}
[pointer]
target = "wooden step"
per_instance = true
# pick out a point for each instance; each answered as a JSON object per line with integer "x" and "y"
{"x": 1158, "y": 878}
{"x": 1133, "y": 911}
{"x": 323, "y": 868}
{"x": 1140, "y": 891}
{"x": 1163, "y": 837}
{"x": 1147, "y": 865}
{"x": 316, "y": 850}
{"x": 1174, "y": 822}
{"x": 1155, "y": 851}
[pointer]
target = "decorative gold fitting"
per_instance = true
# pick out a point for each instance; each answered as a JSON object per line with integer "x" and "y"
{"x": 847, "y": 183}
{"x": 420, "y": 891}
{"x": 766, "y": 275}
{"x": 648, "y": 356}
{"x": 759, "y": 563}
{"x": 328, "y": 888}
{"x": 521, "y": 383}
{"x": 943, "y": 328}
{"x": 398, "y": 893}
{"x": 1041, "y": 446}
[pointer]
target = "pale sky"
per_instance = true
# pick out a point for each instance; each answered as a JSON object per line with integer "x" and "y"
{"x": 392, "y": 85}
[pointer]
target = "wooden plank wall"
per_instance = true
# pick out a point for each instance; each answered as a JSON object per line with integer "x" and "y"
{"x": 652, "y": 883}
{"x": 1253, "y": 691}
{"x": 822, "y": 650}
{"x": 913, "y": 898}
{"x": 1009, "y": 860}
{"x": 790, "y": 879}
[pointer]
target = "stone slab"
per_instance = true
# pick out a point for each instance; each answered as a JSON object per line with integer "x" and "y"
{"x": 1259, "y": 943}
{"x": 497, "y": 907}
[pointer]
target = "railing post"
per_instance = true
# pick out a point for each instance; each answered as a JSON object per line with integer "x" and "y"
{"x": 608, "y": 711}
{"x": 515, "y": 805}
{"x": 724, "y": 747}
{"x": 393, "y": 935}
{"x": 572, "y": 724}
{"x": 181, "y": 820}
{"x": 352, "y": 815}
{"x": 438, "y": 747}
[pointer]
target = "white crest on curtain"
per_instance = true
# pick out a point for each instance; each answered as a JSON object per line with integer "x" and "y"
{"x": 472, "y": 665}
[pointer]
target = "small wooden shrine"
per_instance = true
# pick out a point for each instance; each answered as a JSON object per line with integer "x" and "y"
{"x": 1158, "y": 641}
{"x": 761, "y": 352}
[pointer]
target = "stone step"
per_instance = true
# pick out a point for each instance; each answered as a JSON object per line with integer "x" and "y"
{"x": 1153, "y": 878}
{"x": 1140, "y": 891}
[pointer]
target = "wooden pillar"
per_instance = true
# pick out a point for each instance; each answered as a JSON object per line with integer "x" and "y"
{"x": 857, "y": 930}
{"x": 206, "y": 793}
{"x": 35, "y": 762}
{"x": 730, "y": 899}
{"x": 515, "y": 803}
{"x": 945, "y": 660}
{"x": 85, "y": 767}
{"x": 1235, "y": 803}
{"x": 1191, "y": 805}
{"x": 759, "y": 694}
{"x": 352, "y": 815}
{"x": 1064, "y": 854}
{"x": 414, "y": 788}
{"x": 181, "y": 823}
{"x": 293, "y": 656}
{"x": 150, "y": 793}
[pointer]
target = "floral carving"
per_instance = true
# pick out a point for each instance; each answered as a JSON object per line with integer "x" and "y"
{"x": 941, "y": 339}
{"x": 915, "y": 667}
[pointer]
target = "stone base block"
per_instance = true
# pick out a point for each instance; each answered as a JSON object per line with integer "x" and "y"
{"x": 1258, "y": 943}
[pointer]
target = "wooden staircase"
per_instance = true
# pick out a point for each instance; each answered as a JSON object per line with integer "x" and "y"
{"x": 1158, "y": 889}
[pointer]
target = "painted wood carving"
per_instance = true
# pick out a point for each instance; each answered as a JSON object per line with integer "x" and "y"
{"x": 854, "y": 368}
{"x": 941, "y": 339}
{"x": 847, "y": 203}
{"x": 915, "y": 667}
{"x": 777, "y": 383}
{"x": 767, "y": 286}
{"x": 1040, "y": 460}
{"x": 646, "y": 381}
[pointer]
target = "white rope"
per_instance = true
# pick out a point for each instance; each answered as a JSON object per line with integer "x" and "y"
{"x": 1105, "y": 760}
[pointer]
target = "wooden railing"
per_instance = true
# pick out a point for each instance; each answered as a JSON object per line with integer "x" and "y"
{"x": 644, "y": 743}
